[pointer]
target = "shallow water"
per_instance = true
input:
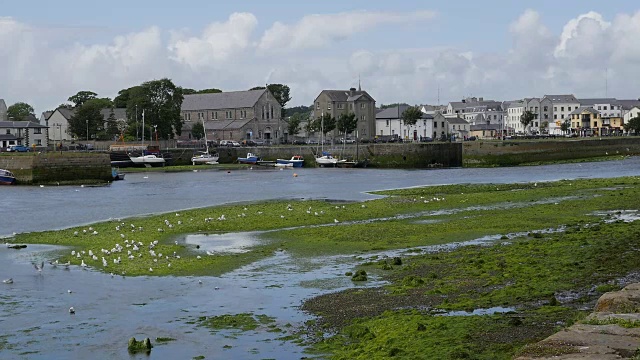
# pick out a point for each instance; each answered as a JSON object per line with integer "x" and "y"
{"x": 34, "y": 315}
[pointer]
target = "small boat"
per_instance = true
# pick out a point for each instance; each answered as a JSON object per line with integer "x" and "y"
{"x": 295, "y": 161}
{"x": 205, "y": 158}
{"x": 7, "y": 177}
{"x": 250, "y": 159}
{"x": 326, "y": 159}
{"x": 148, "y": 160}
{"x": 116, "y": 174}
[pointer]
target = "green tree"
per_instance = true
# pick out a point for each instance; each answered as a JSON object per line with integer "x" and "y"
{"x": 19, "y": 111}
{"x": 392, "y": 105}
{"x": 411, "y": 115}
{"x": 111, "y": 131}
{"x": 281, "y": 93}
{"x": 209, "y": 91}
{"x": 81, "y": 97}
{"x": 347, "y": 123}
{"x": 164, "y": 101}
{"x": 633, "y": 126}
{"x": 565, "y": 126}
{"x": 293, "y": 126}
{"x": 87, "y": 120}
{"x": 527, "y": 118}
{"x": 258, "y": 88}
{"x": 306, "y": 110}
{"x": 198, "y": 130}
{"x": 122, "y": 99}
{"x": 325, "y": 123}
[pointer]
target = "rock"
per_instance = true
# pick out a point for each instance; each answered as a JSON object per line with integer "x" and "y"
{"x": 626, "y": 300}
{"x": 139, "y": 346}
{"x": 16, "y": 246}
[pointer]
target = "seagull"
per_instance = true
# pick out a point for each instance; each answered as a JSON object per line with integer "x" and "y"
{"x": 200, "y": 282}
{"x": 8, "y": 281}
{"x": 336, "y": 221}
{"x": 39, "y": 268}
{"x": 72, "y": 310}
{"x": 69, "y": 291}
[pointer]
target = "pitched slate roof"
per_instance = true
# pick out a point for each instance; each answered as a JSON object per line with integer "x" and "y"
{"x": 395, "y": 112}
{"x": 67, "y": 113}
{"x": 562, "y": 98}
{"x": 46, "y": 114}
{"x": 584, "y": 102}
{"x": 457, "y": 120}
{"x": 484, "y": 127}
{"x": 8, "y": 137}
{"x": 21, "y": 124}
{"x": 345, "y": 95}
{"x": 629, "y": 104}
{"x": 582, "y": 109}
{"x": 223, "y": 100}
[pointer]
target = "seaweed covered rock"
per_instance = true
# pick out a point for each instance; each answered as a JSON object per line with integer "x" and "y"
{"x": 626, "y": 300}
{"x": 139, "y": 346}
{"x": 360, "y": 275}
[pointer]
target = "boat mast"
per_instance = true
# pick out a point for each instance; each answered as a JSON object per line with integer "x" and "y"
{"x": 143, "y": 129}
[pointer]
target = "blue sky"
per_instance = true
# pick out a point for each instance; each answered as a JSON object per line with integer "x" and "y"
{"x": 402, "y": 50}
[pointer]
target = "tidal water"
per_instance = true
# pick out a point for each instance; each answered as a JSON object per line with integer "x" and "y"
{"x": 34, "y": 316}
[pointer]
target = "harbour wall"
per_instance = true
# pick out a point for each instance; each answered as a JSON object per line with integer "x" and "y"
{"x": 58, "y": 168}
{"x": 519, "y": 152}
{"x": 420, "y": 156}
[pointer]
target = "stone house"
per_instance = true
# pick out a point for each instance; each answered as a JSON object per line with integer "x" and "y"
{"x": 236, "y": 115}
{"x": 58, "y": 124}
{"x": 458, "y": 127}
{"x": 337, "y": 102}
{"x": 389, "y": 122}
{"x": 485, "y": 131}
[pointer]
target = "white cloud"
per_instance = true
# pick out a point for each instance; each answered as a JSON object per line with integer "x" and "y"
{"x": 316, "y": 31}
{"x": 219, "y": 42}
{"x": 45, "y": 67}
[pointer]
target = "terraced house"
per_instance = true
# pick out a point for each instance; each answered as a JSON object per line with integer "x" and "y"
{"x": 236, "y": 115}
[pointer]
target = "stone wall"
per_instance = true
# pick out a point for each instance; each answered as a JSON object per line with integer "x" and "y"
{"x": 413, "y": 156}
{"x": 51, "y": 168}
{"x": 517, "y": 152}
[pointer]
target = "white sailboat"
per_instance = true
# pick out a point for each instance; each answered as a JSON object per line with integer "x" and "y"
{"x": 146, "y": 160}
{"x": 324, "y": 158}
{"x": 205, "y": 157}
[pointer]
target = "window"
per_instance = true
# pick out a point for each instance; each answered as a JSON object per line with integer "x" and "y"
{"x": 241, "y": 114}
{"x": 351, "y": 106}
{"x": 555, "y": 108}
{"x": 214, "y": 115}
{"x": 605, "y": 107}
{"x": 272, "y": 111}
{"x": 546, "y": 116}
{"x": 387, "y": 122}
{"x": 39, "y": 142}
{"x": 340, "y": 105}
{"x": 189, "y": 116}
{"x": 363, "y": 105}
{"x": 263, "y": 110}
{"x": 599, "y": 108}
{"x": 363, "y": 118}
{"x": 562, "y": 108}
{"x": 318, "y": 106}
{"x": 37, "y": 131}
{"x": 328, "y": 105}
{"x": 435, "y": 124}
{"x": 546, "y": 108}
{"x": 8, "y": 131}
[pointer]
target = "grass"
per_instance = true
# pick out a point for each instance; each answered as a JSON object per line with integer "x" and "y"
{"x": 241, "y": 322}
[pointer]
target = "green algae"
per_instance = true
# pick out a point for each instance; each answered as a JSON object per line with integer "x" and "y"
{"x": 242, "y": 322}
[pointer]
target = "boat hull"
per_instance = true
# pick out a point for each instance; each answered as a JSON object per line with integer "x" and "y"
{"x": 294, "y": 163}
{"x": 7, "y": 177}
{"x": 204, "y": 159}
{"x": 148, "y": 160}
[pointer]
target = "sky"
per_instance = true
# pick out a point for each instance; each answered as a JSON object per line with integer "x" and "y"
{"x": 410, "y": 51}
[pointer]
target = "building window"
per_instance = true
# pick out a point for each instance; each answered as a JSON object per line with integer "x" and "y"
{"x": 37, "y": 131}
{"x": 363, "y": 105}
{"x": 272, "y": 111}
{"x": 39, "y": 142}
{"x": 387, "y": 122}
{"x": 340, "y": 106}
{"x": 555, "y": 108}
{"x": 189, "y": 116}
{"x": 214, "y": 115}
{"x": 318, "y": 106}
{"x": 546, "y": 108}
{"x": 605, "y": 107}
{"x": 562, "y": 108}
{"x": 329, "y": 105}
{"x": 435, "y": 124}
{"x": 263, "y": 111}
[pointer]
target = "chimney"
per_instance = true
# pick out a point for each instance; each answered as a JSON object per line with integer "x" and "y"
{"x": 352, "y": 91}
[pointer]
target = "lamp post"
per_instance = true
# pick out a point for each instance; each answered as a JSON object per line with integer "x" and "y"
{"x": 87, "y": 129}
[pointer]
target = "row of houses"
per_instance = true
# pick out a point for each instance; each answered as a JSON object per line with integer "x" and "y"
{"x": 257, "y": 115}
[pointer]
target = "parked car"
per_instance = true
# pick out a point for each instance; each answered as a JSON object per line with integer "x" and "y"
{"x": 18, "y": 148}
{"x": 347, "y": 141}
{"x": 229, "y": 143}
{"x": 248, "y": 143}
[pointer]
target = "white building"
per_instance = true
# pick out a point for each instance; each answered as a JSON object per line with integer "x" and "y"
{"x": 608, "y": 107}
{"x": 629, "y": 109}
{"x": 389, "y": 122}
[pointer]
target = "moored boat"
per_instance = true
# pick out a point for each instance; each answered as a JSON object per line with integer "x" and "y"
{"x": 295, "y": 161}
{"x": 326, "y": 159}
{"x": 250, "y": 159}
{"x": 148, "y": 160}
{"x": 7, "y": 177}
{"x": 205, "y": 158}
{"x": 117, "y": 175}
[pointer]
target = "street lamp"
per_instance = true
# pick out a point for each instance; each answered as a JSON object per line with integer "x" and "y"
{"x": 155, "y": 129}
{"x": 87, "y": 129}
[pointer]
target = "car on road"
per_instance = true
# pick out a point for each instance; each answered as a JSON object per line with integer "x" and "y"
{"x": 18, "y": 148}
